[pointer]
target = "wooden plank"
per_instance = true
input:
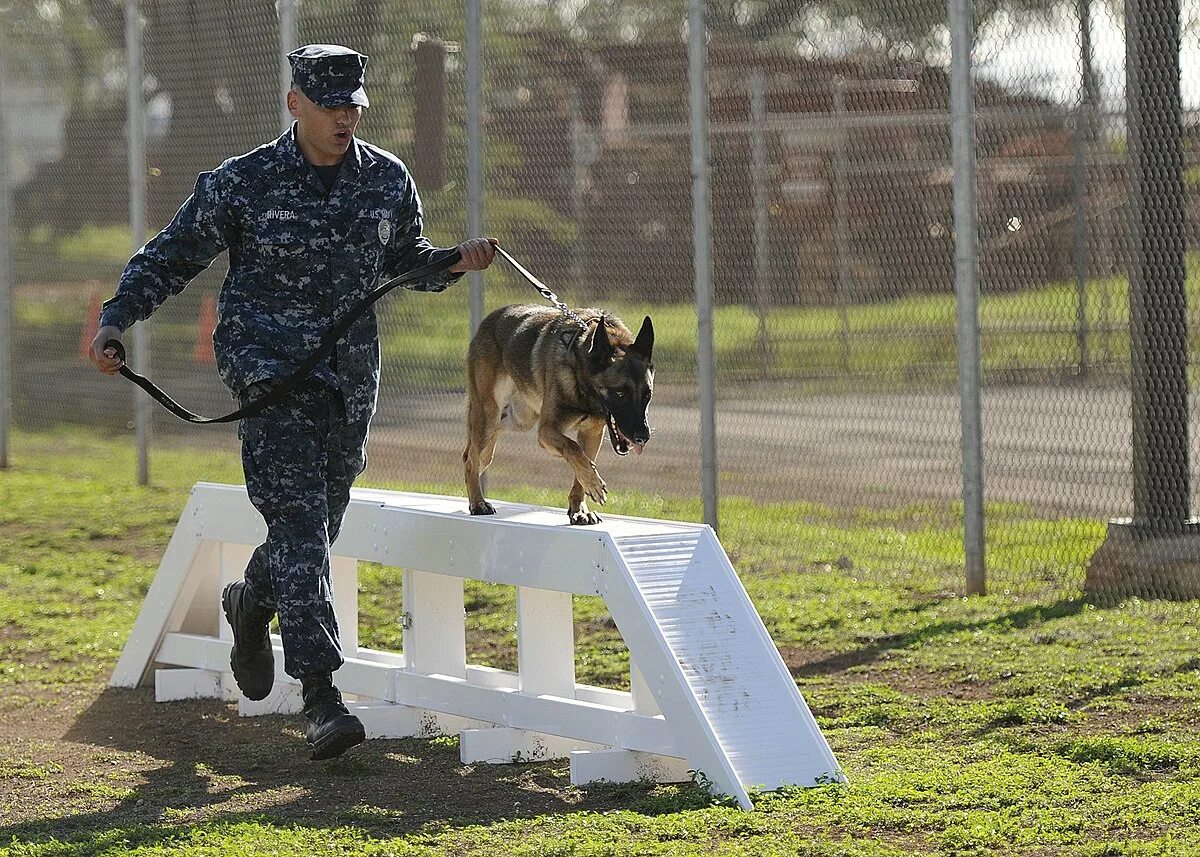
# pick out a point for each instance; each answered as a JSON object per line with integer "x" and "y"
{"x": 622, "y": 766}
{"x": 568, "y": 718}
{"x": 435, "y": 636}
{"x": 344, "y": 572}
{"x": 172, "y": 586}
{"x": 545, "y": 642}
{"x": 176, "y": 684}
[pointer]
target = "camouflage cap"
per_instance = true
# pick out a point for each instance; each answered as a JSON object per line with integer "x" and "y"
{"x": 330, "y": 75}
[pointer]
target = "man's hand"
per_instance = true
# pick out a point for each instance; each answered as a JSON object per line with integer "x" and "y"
{"x": 477, "y": 254}
{"x": 106, "y": 358}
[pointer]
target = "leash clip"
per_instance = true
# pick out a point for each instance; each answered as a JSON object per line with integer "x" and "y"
{"x": 543, "y": 289}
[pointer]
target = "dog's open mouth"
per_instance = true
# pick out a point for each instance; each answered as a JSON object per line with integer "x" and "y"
{"x": 621, "y": 444}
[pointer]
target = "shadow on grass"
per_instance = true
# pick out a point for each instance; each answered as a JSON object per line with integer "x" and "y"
{"x": 871, "y": 652}
{"x": 197, "y": 762}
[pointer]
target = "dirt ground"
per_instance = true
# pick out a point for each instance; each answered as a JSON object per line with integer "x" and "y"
{"x": 1063, "y": 449}
{"x": 94, "y": 758}
{"x": 1058, "y": 450}
{"x": 113, "y": 758}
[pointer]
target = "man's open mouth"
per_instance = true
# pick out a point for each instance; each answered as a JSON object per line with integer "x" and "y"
{"x": 342, "y": 136}
{"x": 621, "y": 443}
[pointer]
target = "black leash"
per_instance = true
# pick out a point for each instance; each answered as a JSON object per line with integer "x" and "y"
{"x": 328, "y": 343}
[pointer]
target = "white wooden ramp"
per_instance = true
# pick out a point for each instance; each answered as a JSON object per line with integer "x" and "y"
{"x": 708, "y": 689}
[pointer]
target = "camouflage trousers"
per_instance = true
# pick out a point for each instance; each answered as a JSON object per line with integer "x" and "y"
{"x": 300, "y": 458}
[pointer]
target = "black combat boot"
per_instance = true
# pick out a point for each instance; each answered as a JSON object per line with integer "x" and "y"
{"x": 332, "y": 730}
{"x": 251, "y": 660}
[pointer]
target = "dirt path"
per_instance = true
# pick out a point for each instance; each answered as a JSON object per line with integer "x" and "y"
{"x": 1061, "y": 450}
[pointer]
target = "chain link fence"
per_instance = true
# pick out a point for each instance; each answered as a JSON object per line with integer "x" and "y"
{"x": 834, "y": 326}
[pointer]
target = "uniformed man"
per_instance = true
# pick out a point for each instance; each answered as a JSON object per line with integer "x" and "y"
{"x": 312, "y": 221}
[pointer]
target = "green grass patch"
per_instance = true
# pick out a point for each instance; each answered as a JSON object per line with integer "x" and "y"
{"x": 906, "y": 343}
{"x": 910, "y": 341}
{"x": 1029, "y": 721}
{"x": 1131, "y": 754}
{"x": 91, "y": 244}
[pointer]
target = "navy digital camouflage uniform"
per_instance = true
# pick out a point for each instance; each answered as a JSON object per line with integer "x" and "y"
{"x": 298, "y": 260}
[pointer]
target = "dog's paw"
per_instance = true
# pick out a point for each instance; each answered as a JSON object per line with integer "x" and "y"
{"x": 484, "y": 508}
{"x": 595, "y": 488}
{"x": 582, "y": 517}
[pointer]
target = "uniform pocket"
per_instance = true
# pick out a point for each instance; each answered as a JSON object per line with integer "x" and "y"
{"x": 252, "y": 432}
{"x": 279, "y": 260}
{"x": 279, "y": 237}
{"x": 284, "y": 457}
{"x": 367, "y": 235}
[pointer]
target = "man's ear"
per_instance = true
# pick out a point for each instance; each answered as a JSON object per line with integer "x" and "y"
{"x": 293, "y": 103}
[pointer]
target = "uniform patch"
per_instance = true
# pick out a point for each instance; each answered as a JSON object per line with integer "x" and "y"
{"x": 385, "y": 231}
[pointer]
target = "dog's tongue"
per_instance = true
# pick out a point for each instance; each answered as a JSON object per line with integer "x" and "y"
{"x": 637, "y": 447}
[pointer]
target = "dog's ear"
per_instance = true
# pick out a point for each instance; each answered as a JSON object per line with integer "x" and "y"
{"x": 644, "y": 344}
{"x": 599, "y": 349}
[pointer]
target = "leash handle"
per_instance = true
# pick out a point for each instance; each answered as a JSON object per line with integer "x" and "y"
{"x": 116, "y": 345}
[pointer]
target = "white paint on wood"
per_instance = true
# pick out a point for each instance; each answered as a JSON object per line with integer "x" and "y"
{"x": 344, "y": 572}
{"x": 500, "y": 745}
{"x": 389, "y": 720}
{"x": 172, "y": 685}
{"x": 284, "y": 698}
{"x": 707, "y": 684}
{"x": 622, "y": 766}
{"x": 545, "y": 642}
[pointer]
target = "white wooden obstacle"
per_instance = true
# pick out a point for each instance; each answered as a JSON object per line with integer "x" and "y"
{"x": 708, "y": 689}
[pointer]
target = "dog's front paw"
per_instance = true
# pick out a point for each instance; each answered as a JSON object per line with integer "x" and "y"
{"x": 594, "y": 487}
{"x": 483, "y": 508}
{"x": 583, "y": 516}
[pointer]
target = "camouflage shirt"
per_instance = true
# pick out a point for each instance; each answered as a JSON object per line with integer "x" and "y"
{"x": 298, "y": 260}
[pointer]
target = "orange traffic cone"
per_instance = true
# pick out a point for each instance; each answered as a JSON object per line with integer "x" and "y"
{"x": 205, "y": 325}
{"x": 91, "y": 325}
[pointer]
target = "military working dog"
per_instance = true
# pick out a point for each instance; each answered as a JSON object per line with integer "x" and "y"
{"x": 533, "y": 365}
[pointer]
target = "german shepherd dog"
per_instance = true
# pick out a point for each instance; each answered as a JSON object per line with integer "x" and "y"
{"x": 532, "y": 365}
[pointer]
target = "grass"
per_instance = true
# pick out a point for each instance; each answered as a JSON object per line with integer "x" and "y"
{"x": 1026, "y": 334}
{"x": 908, "y": 342}
{"x": 1031, "y": 721}
{"x": 110, "y": 245}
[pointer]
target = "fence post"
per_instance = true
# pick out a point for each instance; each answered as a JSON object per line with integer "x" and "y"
{"x": 1157, "y": 271}
{"x": 577, "y": 178}
{"x": 136, "y": 131}
{"x": 841, "y": 216}
{"x": 1083, "y": 138}
{"x": 475, "y": 160}
{"x": 1157, "y": 553}
{"x": 762, "y": 222}
{"x": 966, "y": 286}
{"x": 6, "y": 300}
{"x": 287, "y": 44}
{"x": 475, "y": 147}
{"x": 702, "y": 255}
{"x": 1081, "y": 256}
